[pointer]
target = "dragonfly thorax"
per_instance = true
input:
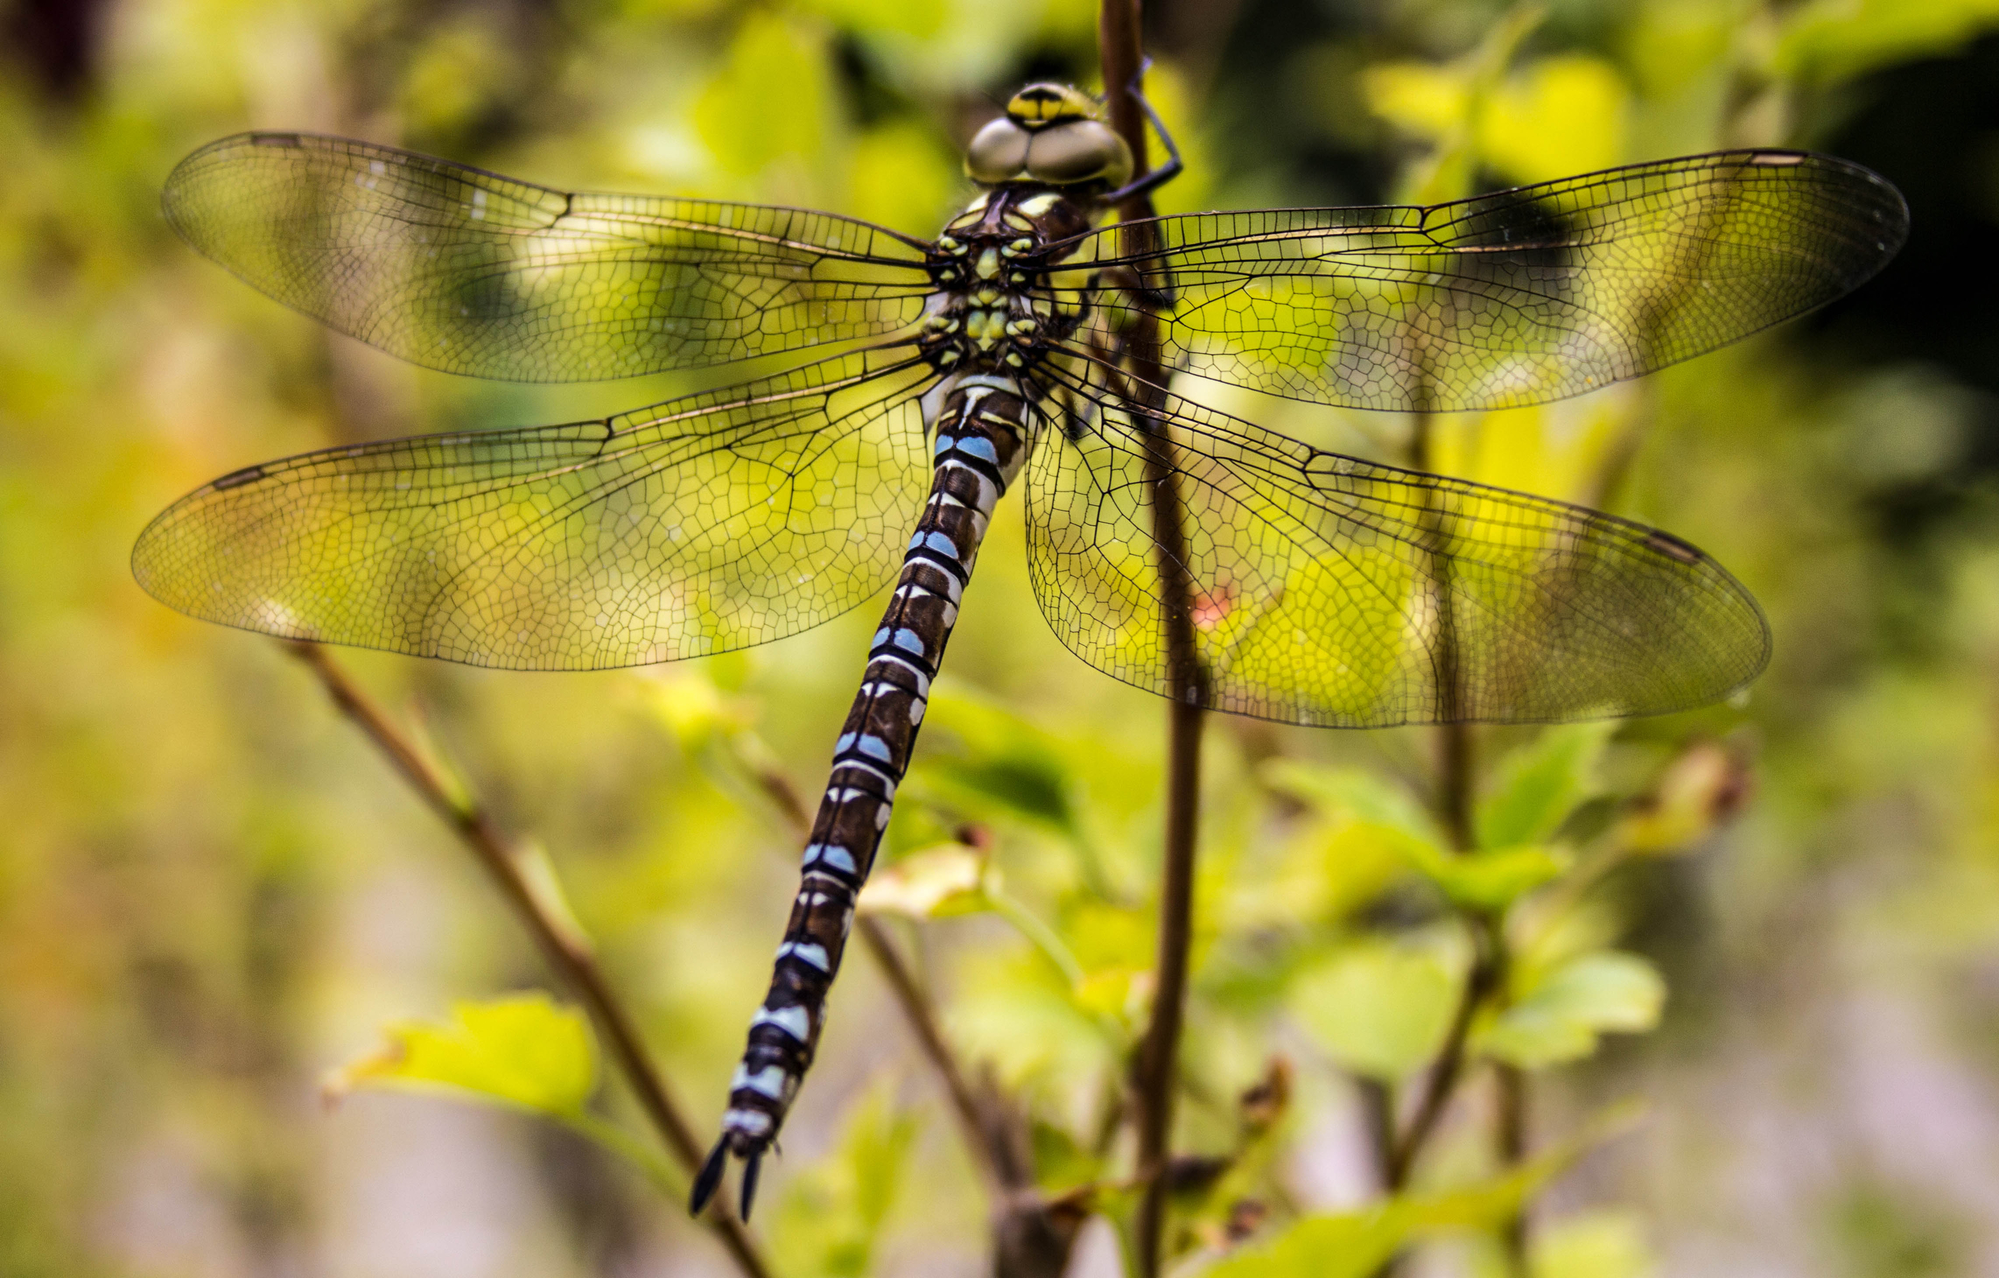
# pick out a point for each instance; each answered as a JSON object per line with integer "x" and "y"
{"x": 994, "y": 308}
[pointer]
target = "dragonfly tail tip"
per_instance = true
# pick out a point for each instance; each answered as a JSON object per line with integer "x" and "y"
{"x": 710, "y": 1178}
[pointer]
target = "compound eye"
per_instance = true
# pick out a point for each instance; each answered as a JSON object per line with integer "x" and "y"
{"x": 997, "y": 152}
{"x": 1080, "y": 151}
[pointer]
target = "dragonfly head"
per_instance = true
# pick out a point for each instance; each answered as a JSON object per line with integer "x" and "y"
{"x": 1051, "y": 135}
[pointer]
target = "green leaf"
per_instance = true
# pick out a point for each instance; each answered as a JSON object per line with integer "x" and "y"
{"x": 1356, "y": 1244}
{"x": 1350, "y": 794}
{"x": 1830, "y": 40}
{"x": 1488, "y": 880}
{"x": 995, "y": 764}
{"x": 771, "y": 100}
{"x": 831, "y": 1217}
{"x": 1561, "y": 1017}
{"x": 1562, "y": 115}
{"x": 1378, "y": 1008}
{"x": 523, "y": 1051}
{"x": 1536, "y": 787}
{"x": 1595, "y": 1244}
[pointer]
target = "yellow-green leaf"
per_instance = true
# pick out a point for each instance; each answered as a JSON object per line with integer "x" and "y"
{"x": 525, "y": 1051}
{"x": 1353, "y": 1244}
{"x": 1561, "y": 1017}
{"x": 1350, "y": 794}
{"x": 1487, "y": 880}
{"x": 992, "y": 764}
{"x": 1378, "y": 1008}
{"x": 1831, "y": 40}
{"x": 1560, "y": 116}
{"x": 1535, "y": 788}
{"x": 1594, "y": 1244}
{"x": 771, "y": 100}
{"x": 832, "y": 1214}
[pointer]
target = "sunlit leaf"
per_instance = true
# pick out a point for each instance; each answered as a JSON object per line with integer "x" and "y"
{"x": 1378, "y": 1008}
{"x": 915, "y": 18}
{"x": 770, "y": 101}
{"x": 1358, "y": 1243}
{"x": 1487, "y": 879}
{"x": 942, "y": 880}
{"x": 1536, "y": 788}
{"x": 1561, "y": 115}
{"x": 1831, "y": 40}
{"x": 902, "y": 178}
{"x": 1350, "y": 794}
{"x": 1328, "y": 869}
{"x": 1561, "y": 1017}
{"x": 524, "y": 1051}
{"x": 688, "y": 704}
{"x": 1419, "y": 98}
{"x": 832, "y": 1215}
{"x": 1594, "y": 1244}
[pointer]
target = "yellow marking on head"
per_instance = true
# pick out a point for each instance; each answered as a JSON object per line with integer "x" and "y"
{"x": 1039, "y": 105}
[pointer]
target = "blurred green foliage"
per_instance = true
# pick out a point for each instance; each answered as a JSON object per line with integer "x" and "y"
{"x": 211, "y": 893}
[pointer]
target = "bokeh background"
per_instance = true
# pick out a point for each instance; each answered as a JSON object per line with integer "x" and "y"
{"x": 212, "y": 892}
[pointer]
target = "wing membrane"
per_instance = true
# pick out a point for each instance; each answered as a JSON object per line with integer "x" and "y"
{"x": 1337, "y": 593}
{"x": 1519, "y": 297}
{"x": 703, "y": 524}
{"x": 458, "y": 269}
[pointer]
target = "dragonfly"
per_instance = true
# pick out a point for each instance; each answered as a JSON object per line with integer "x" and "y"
{"x": 930, "y": 377}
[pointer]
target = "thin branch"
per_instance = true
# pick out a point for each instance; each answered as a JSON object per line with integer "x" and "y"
{"x": 1510, "y": 1120}
{"x": 1377, "y": 1104}
{"x": 1120, "y": 47}
{"x": 565, "y": 948}
{"x": 1444, "y": 1076}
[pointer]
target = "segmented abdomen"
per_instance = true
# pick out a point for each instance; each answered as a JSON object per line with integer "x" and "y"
{"x": 983, "y": 433}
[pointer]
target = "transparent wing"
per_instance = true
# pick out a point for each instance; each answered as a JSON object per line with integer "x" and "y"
{"x": 1336, "y": 593}
{"x": 466, "y": 271}
{"x": 699, "y": 525}
{"x": 1514, "y": 298}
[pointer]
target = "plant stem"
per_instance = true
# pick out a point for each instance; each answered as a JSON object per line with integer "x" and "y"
{"x": 1510, "y": 1120}
{"x": 1445, "y": 1075}
{"x": 567, "y": 951}
{"x": 1119, "y": 44}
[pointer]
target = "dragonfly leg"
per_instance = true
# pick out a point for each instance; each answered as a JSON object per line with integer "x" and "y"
{"x": 1164, "y": 173}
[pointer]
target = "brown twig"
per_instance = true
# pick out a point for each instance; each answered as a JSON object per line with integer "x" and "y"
{"x": 1119, "y": 44}
{"x": 1445, "y": 1075}
{"x": 565, "y": 948}
{"x": 1510, "y": 1120}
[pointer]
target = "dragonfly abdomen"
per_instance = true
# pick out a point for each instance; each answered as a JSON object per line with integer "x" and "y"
{"x": 983, "y": 434}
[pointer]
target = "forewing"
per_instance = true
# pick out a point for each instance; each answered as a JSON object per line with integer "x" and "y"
{"x": 702, "y": 524}
{"x": 1337, "y": 593}
{"x": 1514, "y": 298}
{"x": 458, "y": 269}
